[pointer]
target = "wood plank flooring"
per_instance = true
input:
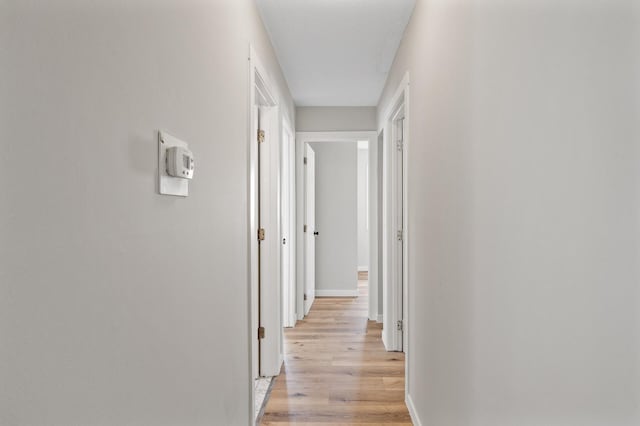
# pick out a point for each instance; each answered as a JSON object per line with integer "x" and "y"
{"x": 337, "y": 371}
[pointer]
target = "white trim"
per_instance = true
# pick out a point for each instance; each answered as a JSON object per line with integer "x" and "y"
{"x": 309, "y": 137}
{"x": 412, "y": 411}
{"x": 336, "y": 293}
{"x": 390, "y": 337}
{"x": 392, "y": 251}
{"x": 363, "y": 269}
{"x": 407, "y": 229}
{"x": 252, "y": 225}
{"x": 379, "y": 318}
{"x": 400, "y": 91}
{"x": 303, "y": 138}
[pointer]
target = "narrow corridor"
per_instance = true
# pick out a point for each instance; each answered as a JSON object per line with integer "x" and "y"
{"x": 336, "y": 370}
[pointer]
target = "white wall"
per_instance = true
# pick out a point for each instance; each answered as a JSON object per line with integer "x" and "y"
{"x": 363, "y": 209}
{"x": 338, "y": 119}
{"x": 524, "y": 205}
{"x": 115, "y": 301}
{"x": 336, "y": 218}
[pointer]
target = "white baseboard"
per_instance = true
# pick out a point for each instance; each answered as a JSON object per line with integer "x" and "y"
{"x": 336, "y": 293}
{"x": 379, "y": 319}
{"x": 372, "y": 316}
{"x": 412, "y": 410}
{"x": 363, "y": 269}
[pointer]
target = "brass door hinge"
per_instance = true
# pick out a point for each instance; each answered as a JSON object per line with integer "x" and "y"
{"x": 260, "y": 234}
{"x": 261, "y": 136}
{"x": 260, "y": 332}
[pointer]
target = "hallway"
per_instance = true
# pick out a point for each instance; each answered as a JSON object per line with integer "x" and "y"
{"x": 337, "y": 371}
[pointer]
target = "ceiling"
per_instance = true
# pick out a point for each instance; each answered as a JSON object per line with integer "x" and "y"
{"x": 335, "y": 52}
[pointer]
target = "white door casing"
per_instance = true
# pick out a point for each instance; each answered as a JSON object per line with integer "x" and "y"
{"x": 395, "y": 235}
{"x": 399, "y": 226}
{"x": 395, "y": 222}
{"x": 302, "y": 140}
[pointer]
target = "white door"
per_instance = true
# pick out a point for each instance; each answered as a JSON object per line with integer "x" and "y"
{"x": 269, "y": 236}
{"x": 255, "y": 286}
{"x": 288, "y": 282}
{"x": 399, "y": 223}
{"x": 310, "y": 228}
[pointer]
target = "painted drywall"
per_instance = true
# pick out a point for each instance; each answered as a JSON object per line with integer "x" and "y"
{"x": 523, "y": 212}
{"x": 336, "y": 218}
{"x": 119, "y": 306}
{"x": 335, "y": 119}
{"x": 363, "y": 209}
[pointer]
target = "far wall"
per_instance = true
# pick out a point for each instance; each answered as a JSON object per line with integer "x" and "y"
{"x": 336, "y": 218}
{"x": 335, "y": 119}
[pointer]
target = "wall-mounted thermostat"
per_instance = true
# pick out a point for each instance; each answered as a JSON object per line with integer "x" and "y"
{"x": 180, "y": 162}
{"x": 175, "y": 165}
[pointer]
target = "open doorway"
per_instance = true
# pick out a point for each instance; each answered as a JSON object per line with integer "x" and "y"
{"x": 334, "y": 235}
{"x": 364, "y": 248}
{"x": 265, "y": 233}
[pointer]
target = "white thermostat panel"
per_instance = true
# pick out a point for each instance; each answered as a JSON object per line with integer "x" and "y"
{"x": 175, "y": 165}
{"x": 180, "y": 162}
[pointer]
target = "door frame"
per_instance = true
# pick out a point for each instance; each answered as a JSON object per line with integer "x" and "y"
{"x": 261, "y": 91}
{"x": 303, "y": 138}
{"x": 397, "y": 306}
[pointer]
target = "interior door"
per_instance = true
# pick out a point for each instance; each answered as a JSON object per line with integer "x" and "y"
{"x": 288, "y": 291}
{"x": 400, "y": 227}
{"x": 269, "y": 243}
{"x": 310, "y": 228}
{"x": 263, "y": 183}
{"x": 255, "y": 285}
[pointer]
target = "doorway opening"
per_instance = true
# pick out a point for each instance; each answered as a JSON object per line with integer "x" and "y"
{"x": 265, "y": 234}
{"x": 337, "y": 237}
{"x": 364, "y": 248}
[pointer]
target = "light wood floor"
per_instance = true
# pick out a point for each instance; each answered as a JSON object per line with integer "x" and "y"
{"x": 337, "y": 371}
